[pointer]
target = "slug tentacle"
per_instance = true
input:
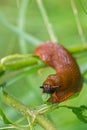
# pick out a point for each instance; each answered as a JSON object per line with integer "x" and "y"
{"x": 67, "y": 79}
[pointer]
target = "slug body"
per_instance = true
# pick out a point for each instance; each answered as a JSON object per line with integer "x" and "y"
{"x": 67, "y": 79}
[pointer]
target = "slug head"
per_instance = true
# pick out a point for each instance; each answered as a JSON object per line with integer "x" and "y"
{"x": 51, "y": 84}
{"x": 51, "y": 87}
{"x": 47, "y": 88}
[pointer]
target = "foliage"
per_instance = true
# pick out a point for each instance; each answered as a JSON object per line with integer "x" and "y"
{"x": 23, "y": 25}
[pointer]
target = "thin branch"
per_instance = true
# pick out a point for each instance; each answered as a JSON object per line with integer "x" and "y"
{"x": 80, "y": 30}
{"x": 21, "y": 22}
{"x": 46, "y": 21}
{"x": 16, "y": 104}
{"x": 77, "y": 48}
{"x": 43, "y": 122}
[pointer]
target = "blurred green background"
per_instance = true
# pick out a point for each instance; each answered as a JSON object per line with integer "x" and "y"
{"x": 63, "y": 22}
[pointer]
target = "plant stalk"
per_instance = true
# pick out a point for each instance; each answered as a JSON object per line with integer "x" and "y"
{"x": 42, "y": 121}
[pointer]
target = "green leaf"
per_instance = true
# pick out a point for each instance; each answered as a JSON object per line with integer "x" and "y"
{"x": 80, "y": 112}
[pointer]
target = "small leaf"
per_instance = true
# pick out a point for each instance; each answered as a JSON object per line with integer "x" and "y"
{"x": 45, "y": 97}
{"x": 80, "y": 112}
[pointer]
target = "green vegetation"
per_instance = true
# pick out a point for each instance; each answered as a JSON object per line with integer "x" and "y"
{"x": 24, "y": 24}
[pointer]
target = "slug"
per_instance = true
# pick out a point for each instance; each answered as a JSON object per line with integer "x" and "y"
{"x": 67, "y": 80}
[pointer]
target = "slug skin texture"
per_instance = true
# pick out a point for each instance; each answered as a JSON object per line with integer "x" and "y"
{"x": 67, "y": 80}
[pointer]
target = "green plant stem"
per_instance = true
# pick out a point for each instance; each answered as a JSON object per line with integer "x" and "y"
{"x": 43, "y": 122}
{"x": 77, "y": 48}
{"x": 80, "y": 30}
{"x": 46, "y": 21}
{"x": 21, "y": 22}
{"x": 17, "y": 61}
{"x": 16, "y": 104}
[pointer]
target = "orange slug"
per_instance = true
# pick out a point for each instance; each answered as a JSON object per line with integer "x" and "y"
{"x": 67, "y": 80}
